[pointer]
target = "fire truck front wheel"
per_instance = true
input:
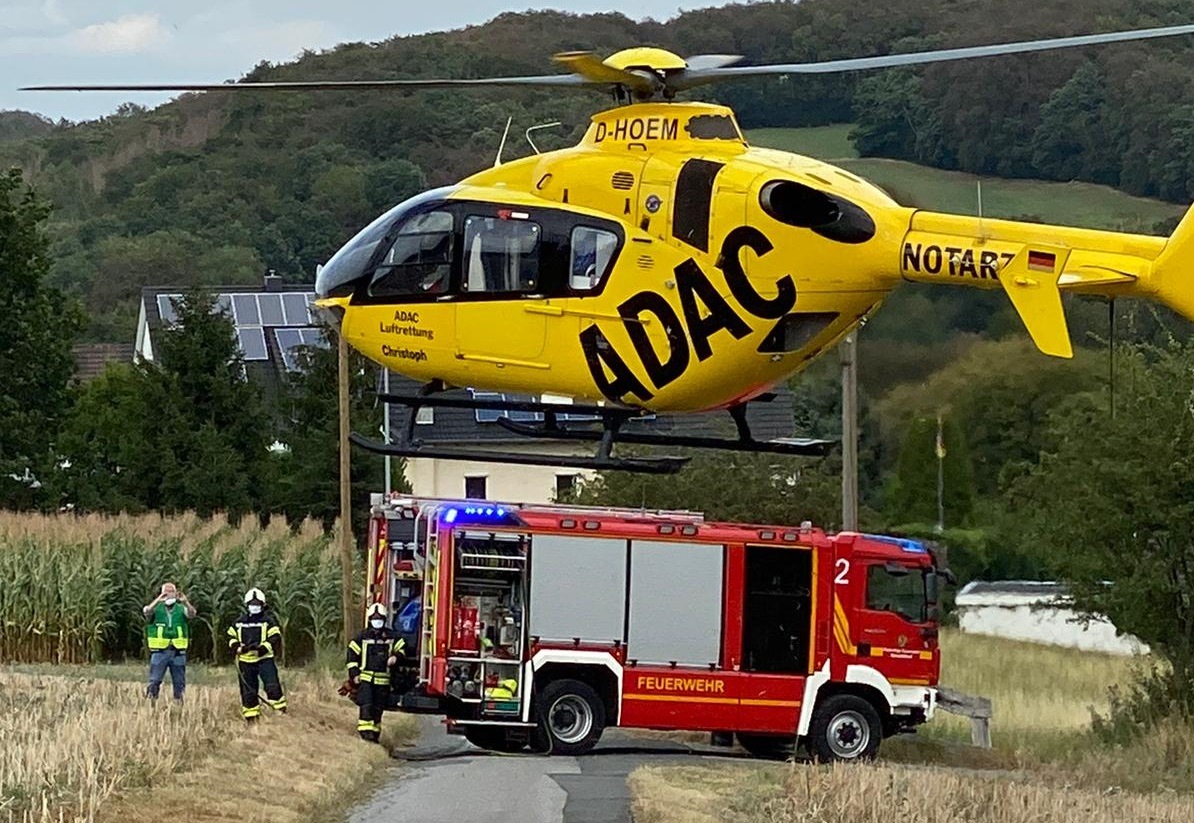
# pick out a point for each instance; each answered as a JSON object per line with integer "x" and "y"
{"x": 572, "y": 715}
{"x": 844, "y": 727}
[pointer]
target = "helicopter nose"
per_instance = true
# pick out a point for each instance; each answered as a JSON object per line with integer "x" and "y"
{"x": 330, "y": 311}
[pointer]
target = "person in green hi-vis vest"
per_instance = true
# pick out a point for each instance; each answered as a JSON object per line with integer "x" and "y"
{"x": 168, "y": 633}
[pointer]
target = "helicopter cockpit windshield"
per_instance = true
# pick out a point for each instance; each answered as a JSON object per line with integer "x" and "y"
{"x": 341, "y": 275}
{"x": 433, "y": 248}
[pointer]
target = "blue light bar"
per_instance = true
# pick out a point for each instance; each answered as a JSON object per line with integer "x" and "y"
{"x": 480, "y": 514}
{"x": 911, "y": 546}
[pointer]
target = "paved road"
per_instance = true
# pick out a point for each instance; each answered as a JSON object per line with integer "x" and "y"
{"x": 446, "y": 780}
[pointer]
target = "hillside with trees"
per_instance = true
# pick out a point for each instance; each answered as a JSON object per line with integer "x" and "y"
{"x": 217, "y": 188}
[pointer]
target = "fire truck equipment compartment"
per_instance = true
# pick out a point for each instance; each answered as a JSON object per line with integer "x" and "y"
{"x": 578, "y": 586}
{"x": 675, "y": 602}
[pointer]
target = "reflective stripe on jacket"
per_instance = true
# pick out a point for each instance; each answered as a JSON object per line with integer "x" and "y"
{"x": 169, "y": 627}
{"x": 258, "y": 633}
{"x": 369, "y": 652}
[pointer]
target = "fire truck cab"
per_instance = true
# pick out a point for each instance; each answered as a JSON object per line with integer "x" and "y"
{"x": 542, "y": 625}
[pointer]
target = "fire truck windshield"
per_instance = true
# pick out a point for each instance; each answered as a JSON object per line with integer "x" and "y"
{"x": 900, "y": 589}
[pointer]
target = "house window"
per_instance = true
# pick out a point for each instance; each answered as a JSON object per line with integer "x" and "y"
{"x": 425, "y": 416}
{"x": 474, "y": 487}
{"x": 565, "y": 484}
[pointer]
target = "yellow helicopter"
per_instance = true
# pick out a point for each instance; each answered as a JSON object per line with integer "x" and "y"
{"x": 663, "y": 264}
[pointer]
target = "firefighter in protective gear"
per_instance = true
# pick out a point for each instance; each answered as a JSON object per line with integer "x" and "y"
{"x": 255, "y": 638}
{"x": 371, "y": 655}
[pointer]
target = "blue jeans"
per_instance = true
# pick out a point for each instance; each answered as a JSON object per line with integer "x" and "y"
{"x": 159, "y": 661}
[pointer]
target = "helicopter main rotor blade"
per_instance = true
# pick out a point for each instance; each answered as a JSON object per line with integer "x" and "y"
{"x": 700, "y": 62}
{"x": 700, "y": 77}
{"x": 318, "y": 85}
{"x": 590, "y": 66}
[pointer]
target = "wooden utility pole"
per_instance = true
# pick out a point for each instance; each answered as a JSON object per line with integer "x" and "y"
{"x": 350, "y": 620}
{"x": 849, "y": 359}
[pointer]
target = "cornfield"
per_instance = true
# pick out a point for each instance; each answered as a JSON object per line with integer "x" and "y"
{"x": 72, "y": 588}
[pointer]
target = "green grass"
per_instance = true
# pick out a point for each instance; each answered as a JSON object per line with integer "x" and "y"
{"x": 1070, "y": 204}
{"x": 821, "y": 142}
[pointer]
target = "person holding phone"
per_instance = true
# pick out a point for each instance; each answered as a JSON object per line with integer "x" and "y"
{"x": 168, "y": 633}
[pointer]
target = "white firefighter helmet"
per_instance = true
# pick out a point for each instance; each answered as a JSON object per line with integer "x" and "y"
{"x": 255, "y": 595}
{"x": 376, "y": 610}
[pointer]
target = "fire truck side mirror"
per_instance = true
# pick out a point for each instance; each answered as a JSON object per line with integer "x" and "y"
{"x": 933, "y": 588}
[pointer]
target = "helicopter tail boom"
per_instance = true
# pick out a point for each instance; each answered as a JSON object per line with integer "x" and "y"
{"x": 1035, "y": 263}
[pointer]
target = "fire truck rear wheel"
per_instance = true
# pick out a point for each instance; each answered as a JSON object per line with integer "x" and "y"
{"x": 845, "y": 727}
{"x": 573, "y": 715}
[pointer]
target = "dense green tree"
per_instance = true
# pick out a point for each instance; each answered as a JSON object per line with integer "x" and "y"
{"x": 306, "y": 475}
{"x": 1000, "y": 394}
{"x": 1072, "y": 140}
{"x": 38, "y": 328}
{"x": 751, "y": 488}
{"x": 892, "y": 117}
{"x": 913, "y": 495}
{"x": 1111, "y": 499}
{"x": 186, "y": 431}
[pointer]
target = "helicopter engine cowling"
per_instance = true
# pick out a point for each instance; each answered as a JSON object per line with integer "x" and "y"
{"x": 831, "y": 216}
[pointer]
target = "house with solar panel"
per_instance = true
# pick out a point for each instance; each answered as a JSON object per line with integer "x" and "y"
{"x": 274, "y": 319}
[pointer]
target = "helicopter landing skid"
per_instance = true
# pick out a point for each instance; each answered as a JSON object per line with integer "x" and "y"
{"x": 560, "y": 422}
{"x": 642, "y": 465}
{"x": 797, "y": 447}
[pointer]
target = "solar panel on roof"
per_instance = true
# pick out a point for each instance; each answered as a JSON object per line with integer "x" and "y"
{"x": 245, "y": 306}
{"x": 294, "y": 309}
{"x": 313, "y": 337}
{"x": 252, "y": 344}
{"x": 487, "y": 415}
{"x": 271, "y": 309}
{"x": 166, "y": 308}
{"x": 288, "y": 341}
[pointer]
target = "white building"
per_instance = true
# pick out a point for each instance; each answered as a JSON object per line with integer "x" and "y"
{"x": 1037, "y": 612}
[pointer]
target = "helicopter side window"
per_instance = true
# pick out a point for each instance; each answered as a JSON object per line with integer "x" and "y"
{"x": 419, "y": 261}
{"x": 501, "y": 255}
{"x": 592, "y": 251}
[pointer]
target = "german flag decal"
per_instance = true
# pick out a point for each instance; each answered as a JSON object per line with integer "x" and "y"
{"x": 1042, "y": 260}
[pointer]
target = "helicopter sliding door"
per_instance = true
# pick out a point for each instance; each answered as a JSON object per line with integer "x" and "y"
{"x": 518, "y": 267}
{"x": 501, "y": 268}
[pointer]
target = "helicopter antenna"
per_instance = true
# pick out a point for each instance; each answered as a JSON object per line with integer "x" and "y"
{"x": 498, "y": 160}
{"x": 550, "y": 125}
{"x": 981, "y": 233}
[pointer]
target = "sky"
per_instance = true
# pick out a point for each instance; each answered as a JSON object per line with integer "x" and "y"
{"x": 46, "y": 42}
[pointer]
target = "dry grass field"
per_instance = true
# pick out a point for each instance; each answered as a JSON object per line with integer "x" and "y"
{"x": 84, "y": 745}
{"x": 1046, "y": 766}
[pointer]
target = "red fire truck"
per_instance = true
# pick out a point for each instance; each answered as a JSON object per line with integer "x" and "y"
{"x": 542, "y": 625}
